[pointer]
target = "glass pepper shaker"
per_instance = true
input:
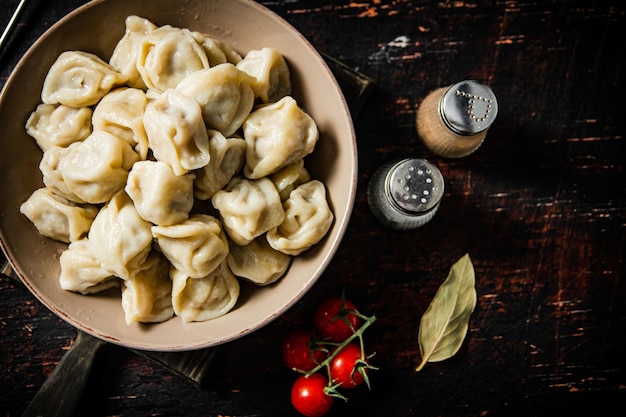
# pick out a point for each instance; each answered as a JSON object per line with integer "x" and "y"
{"x": 453, "y": 121}
{"x": 405, "y": 194}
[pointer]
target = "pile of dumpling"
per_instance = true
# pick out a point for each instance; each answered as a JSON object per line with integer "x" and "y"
{"x": 173, "y": 170}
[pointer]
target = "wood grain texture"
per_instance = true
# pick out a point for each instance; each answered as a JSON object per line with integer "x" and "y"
{"x": 540, "y": 207}
{"x": 63, "y": 389}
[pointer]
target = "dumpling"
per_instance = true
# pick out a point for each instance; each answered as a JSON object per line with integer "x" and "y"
{"x": 227, "y": 158}
{"x": 195, "y": 246}
{"x": 277, "y": 135}
{"x": 51, "y": 168}
{"x": 120, "y": 238}
{"x": 98, "y": 167}
{"x": 121, "y": 113}
{"x": 176, "y": 132}
{"x": 166, "y": 55}
{"x": 224, "y": 94}
{"x": 147, "y": 296}
{"x": 58, "y": 125}
{"x": 258, "y": 262}
{"x": 248, "y": 208}
{"x": 307, "y": 220}
{"x": 218, "y": 52}
{"x": 271, "y": 74}
{"x": 81, "y": 271}
{"x": 56, "y": 217}
{"x": 124, "y": 57}
{"x": 206, "y": 298}
{"x": 289, "y": 178}
{"x": 160, "y": 196}
{"x": 79, "y": 79}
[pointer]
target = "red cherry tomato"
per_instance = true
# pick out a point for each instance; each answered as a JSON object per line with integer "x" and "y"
{"x": 331, "y": 319}
{"x": 299, "y": 351}
{"x": 344, "y": 369}
{"x": 308, "y": 397}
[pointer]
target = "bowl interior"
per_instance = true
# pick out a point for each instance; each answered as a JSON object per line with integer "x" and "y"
{"x": 96, "y": 28}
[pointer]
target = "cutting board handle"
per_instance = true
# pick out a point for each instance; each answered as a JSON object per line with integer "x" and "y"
{"x": 61, "y": 393}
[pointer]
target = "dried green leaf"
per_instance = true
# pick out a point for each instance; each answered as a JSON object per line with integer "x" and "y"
{"x": 443, "y": 326}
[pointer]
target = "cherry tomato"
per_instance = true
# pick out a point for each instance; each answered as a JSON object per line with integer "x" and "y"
{"x": 344, "y": 369}
{"x": 299, "y": 351}
{"x": 330, "y": 319}
{"x": 308, "y": 397}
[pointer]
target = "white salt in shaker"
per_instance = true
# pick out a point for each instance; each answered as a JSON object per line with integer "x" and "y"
{"x": 405, "y": 194}
{"x": 453, "y": 121}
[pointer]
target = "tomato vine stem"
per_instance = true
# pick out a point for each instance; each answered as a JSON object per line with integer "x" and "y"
{"x": 367, "y": 322}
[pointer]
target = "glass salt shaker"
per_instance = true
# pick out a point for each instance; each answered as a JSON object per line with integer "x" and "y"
{"x": 453, "y": 121}
{"x": 405, "y": 194}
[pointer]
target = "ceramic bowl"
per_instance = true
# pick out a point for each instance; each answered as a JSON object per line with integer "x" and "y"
{"x": 97, "y": 27}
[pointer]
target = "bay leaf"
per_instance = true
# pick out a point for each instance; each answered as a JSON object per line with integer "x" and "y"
{"x": 444, "y": 325}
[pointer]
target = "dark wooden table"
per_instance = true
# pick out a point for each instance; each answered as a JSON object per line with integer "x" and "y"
{"x": 540, "y": 207}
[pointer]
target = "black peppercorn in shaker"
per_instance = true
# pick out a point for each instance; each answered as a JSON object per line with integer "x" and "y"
{"x": 453, "y": 121}
{"x": 405, "y": 194}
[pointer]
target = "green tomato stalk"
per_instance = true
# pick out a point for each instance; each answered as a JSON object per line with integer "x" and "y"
{"x": 360, "y": 366}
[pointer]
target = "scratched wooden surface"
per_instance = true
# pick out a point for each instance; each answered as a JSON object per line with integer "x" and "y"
{"x": 540, "y": 207}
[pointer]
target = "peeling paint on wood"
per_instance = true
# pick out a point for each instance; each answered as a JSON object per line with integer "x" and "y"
{"x": 540, "y": 207}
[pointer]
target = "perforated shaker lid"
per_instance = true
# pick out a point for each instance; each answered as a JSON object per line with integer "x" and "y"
{"x": 468, "y": 107}
{"x": 415, "y": 186}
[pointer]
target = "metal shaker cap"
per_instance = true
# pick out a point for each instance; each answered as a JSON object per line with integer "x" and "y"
{"x": 468, "y": 107}
{"x": 414, "y": 186}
